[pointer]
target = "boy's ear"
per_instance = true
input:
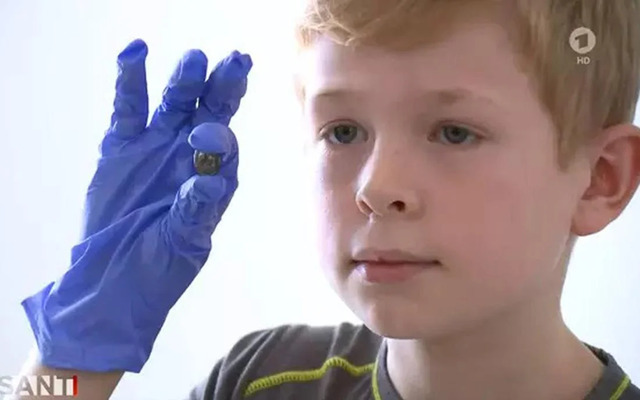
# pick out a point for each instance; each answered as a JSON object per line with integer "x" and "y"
{"x": 615, "y": 176}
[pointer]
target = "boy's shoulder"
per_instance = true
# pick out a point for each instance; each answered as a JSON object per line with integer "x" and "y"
{"x": 290, "y": 345}
{"x": 614, "y": 384}
{"x": 343, "y": 361}
{"x": 296, "y": 361}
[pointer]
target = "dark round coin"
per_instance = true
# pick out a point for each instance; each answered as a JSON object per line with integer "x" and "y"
{"x": 206, "y": 164}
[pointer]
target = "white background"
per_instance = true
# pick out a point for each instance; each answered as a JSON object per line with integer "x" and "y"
{"x": 57, "y": 73}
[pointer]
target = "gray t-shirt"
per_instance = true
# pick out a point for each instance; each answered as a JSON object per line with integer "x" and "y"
{"x": 344, "y": 362}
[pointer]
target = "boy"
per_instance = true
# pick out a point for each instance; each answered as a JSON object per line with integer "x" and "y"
{"x": 461, "y": 150}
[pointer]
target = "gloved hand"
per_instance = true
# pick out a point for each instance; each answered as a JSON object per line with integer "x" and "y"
{"x": 149, "y": 216}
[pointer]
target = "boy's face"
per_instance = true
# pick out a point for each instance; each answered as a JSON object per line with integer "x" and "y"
{"x": 444, "y": 152}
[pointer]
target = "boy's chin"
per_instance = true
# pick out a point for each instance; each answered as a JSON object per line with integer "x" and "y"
{"x": 398, "y": 326}
{"x": 408, "y": 331}
{"x": 394, "y": 332}
{"x": 407, "y": 324}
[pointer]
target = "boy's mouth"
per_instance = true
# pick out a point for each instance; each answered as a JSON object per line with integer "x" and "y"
{"x": 390, "y": 266}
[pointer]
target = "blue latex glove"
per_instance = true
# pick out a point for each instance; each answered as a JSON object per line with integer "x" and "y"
{"x": 149, "y": 216}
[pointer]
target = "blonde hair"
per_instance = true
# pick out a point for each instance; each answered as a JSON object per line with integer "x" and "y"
{"x": 581, "y": 99}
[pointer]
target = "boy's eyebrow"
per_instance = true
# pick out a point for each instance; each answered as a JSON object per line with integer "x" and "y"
{"x": 455, "y": 95}
{"x": 444, "y": 96}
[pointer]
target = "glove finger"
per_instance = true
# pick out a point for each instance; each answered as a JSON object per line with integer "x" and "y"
{"x": 131, "y": 104}
{"x": 213, "y": 138}
{"x": 218, "y": 139}
{"x": 197, "y": 205}
{"x": 180, "y": 97}
{"x": 224, "y": 89}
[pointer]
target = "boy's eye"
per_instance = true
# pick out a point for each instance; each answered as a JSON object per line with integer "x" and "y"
{"x": 343, "y": 134}
{"x": 455, "y": 134}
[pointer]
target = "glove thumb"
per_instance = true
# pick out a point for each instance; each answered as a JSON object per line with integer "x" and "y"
{"x": 197, "y": 208}
{"x": 202, "y": 199}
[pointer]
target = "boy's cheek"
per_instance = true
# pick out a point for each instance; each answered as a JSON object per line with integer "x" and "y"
{"x": 340, "y": 170}
{"x": 503, "y": 250}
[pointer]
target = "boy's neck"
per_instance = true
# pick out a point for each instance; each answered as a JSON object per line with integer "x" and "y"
{"x": 522, "y": 356}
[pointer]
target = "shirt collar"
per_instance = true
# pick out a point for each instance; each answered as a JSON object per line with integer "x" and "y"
{"x": 611, "y": 384}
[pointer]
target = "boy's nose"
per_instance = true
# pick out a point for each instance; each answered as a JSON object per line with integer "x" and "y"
{"x": 385, "y": 189}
